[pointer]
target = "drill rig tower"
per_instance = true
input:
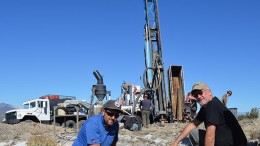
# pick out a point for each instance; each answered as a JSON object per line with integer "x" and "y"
{"x": 153, "y": 78}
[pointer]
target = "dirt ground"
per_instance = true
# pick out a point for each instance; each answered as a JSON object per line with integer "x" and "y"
{"x": 156, "y": 134}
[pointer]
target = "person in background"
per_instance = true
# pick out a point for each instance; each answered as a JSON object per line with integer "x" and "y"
{"x": 224, "y": 98}
{"x": 222, "y": 128}
{"x": 193, "y": 104}
{"x": 101, "y": 129}
{"x": 145, "y": 107}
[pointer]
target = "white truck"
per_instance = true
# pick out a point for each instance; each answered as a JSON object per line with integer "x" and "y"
{"x": 64, "y": 110}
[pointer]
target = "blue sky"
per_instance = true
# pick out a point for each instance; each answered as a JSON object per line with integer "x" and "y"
{"x": 53, "y": 46}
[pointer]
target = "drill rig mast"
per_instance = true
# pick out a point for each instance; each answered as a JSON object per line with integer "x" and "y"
{"x": 153, "y": 78}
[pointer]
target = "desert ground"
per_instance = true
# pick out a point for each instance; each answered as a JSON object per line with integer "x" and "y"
{"x": 155, "y": 135}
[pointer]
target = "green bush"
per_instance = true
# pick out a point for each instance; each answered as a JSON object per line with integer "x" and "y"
{"x": 241, "y": 117}
{"x": 252, "y": 115}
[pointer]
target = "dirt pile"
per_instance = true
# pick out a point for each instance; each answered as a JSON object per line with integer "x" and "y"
{"x": 18, "y": 133}
{"x": 155, "y": 135}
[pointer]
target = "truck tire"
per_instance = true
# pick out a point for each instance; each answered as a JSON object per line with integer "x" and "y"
{"x": 28, "y": 121}
{"x": 69, "y": 124}
{"x": 81, "y": 123}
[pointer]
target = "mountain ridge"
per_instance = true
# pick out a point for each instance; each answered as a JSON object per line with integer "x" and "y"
{"x": 3, "y": 108}
{"x": 6, "y": 107}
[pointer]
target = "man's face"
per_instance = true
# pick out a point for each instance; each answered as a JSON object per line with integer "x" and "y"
{"x": 202, "y": 96}
{"x": 110, "y": 116}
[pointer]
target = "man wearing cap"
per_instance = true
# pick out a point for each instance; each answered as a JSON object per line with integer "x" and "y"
{"x": 224, "y": 98}
{"x": 145, "y": 106}
{"x": 101, "y": 129}
{"x": 222, "y": 128}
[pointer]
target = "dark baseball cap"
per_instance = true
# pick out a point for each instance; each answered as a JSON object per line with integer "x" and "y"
{"x": 113, "y": 105}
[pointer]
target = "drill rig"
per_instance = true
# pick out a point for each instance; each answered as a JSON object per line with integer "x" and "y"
{"x": 153, "y": 78}
{"x": 165, "y": 108}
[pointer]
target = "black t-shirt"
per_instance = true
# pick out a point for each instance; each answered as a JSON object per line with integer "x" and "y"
{"x": 228, "y": 130}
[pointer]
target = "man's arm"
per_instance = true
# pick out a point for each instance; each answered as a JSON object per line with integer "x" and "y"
{"x": 210, "y": 135}
{"x": 186, "y": 131}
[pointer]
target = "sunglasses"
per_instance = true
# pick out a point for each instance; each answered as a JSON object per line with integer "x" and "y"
{"x": 195, "y": 93}
{"x": 110, "y": 114}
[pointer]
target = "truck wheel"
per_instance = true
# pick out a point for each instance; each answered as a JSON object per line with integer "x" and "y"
{"x": 81, "y": 122}
{"x": 69, "y": 124}
{"x": 28, "y": 121}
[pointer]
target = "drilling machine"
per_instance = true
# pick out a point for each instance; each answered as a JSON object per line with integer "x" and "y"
{"x": 153, "y": 77}
{"x": 165, "y": 108}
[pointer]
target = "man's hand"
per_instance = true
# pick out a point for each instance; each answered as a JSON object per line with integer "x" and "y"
{"x": 192, "y": 98}
{"x": 174, "y": 144}
{"x": 186, "y": 131}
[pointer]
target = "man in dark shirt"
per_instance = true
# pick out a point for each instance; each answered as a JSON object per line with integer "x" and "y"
{"x": 222, "y": 128}
{"x": 145, "y": 109}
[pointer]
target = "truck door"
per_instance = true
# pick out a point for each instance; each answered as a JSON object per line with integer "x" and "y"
{"x": 43, "y": 112}
{"x": 42, "y": 108}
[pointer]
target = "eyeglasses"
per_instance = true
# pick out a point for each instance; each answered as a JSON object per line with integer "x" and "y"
{"x": 195, "y": 93}
{"x": 110, "y": 114}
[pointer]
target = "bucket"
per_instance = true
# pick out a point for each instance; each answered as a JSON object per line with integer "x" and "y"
{"x": 61, "y": 112}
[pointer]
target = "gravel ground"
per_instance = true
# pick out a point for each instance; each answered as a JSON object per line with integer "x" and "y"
{"x": 155, "y": 135}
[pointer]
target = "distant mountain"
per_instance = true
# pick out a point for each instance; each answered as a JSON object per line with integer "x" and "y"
{"x": 3, "y": 108}
{"x": 6, "y": 107}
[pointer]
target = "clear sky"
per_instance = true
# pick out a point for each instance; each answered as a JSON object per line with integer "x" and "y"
{"x": 53, "y": 46}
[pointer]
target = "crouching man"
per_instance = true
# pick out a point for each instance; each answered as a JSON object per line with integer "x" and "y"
{"x": 222, "y": 128}
{"x": 102, "y": 129}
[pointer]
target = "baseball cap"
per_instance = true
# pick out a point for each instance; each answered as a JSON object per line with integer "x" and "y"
{"x": 200, "y": 86}
{"x": 112, "y": 104}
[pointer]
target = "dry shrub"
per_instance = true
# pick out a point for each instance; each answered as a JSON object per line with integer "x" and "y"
{"x": 255, "y": 135}
{"x": 40, "y": 141}
{"x": 16, "y": 137}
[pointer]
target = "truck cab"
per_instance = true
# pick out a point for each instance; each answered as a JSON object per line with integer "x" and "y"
{"x": 34, "y": 110}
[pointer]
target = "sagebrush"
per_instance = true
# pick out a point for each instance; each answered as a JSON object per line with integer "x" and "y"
{"x": 40, "y": 141}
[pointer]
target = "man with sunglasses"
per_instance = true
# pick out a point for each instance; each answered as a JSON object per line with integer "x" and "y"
{"x": 224, "y": 98}
{"x": 221, "y": 126}
{"x": 102, "y": 129}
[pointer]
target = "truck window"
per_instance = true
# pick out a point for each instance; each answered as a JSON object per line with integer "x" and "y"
{"x": 40, "y": 104}
{"x": 32, "y": 104}
{"x": 26, "y": 106}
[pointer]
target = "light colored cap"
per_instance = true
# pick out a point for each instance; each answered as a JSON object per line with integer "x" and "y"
{"x": 200, "y": 86}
